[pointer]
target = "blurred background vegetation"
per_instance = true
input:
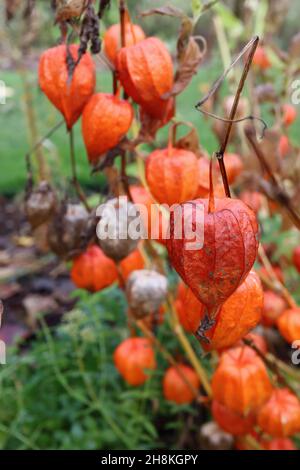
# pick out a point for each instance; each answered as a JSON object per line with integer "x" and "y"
{"x": 14, "y": 69}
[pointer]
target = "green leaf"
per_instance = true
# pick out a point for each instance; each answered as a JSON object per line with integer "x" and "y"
{"x": 260, "y": 17}
{"x": 230, "y": 22}
{"x": 207, "y": 6}
{"x": 197, "y": 6}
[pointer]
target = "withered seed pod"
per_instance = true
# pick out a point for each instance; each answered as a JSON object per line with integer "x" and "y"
{"x": 146, "y": 291}
{"x": 71, "y": 230}
{"x": 242, "y": 110}
{"x": 40, "y": 204}
{"x": 212, "y": 437}
{"x": 265, "y": 92}
{"x": 116, "y": 238}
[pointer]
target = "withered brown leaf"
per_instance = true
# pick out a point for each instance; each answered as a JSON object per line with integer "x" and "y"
{"x": 190, "y": 58}
{"x": 67, "y": 9}
{"x": 189, "y": 52}
{"x": 190, "y": 142}
{"x": 167, "y": 10}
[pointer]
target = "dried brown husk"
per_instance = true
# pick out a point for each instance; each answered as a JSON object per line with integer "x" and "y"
{"x": 71, "y": 230}
{"x": 40, "y": 204}
{"x": 116, "y": 216}
{"x": 68, "y": 9}
{"x": 146, "y": 291}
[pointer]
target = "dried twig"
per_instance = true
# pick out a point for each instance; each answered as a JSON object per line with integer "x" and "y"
{"x": 280, "y": 194}
{"x": 275, "y": 283}
{"x": 169, "y": 358}
{"x": 75, "y": 181}
{"x": 124, "y": 177}
{"x": 252, "y": 45}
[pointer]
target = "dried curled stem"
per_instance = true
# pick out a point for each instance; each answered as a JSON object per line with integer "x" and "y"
{"x": 169, "y": 358}
{"x": 252, "y": 45}
{"x": 75, "y": 181}
{"x": 273, "y": 282}
{"x": 279, "y": 194}
{"x": 177, "y": 328}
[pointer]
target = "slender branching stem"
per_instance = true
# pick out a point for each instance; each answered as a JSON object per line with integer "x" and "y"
{"x": 168, "y": 357}
{"x": 75, "y": 181}
{"x": 275, "y": 282}
{"x": 279, "y": 193}
{"x": 221, "y": 152}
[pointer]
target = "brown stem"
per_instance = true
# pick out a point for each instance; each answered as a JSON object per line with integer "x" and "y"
{"x": 220, "y": 154}
{"x": 124, "y": 177}
{"x": 172, "y": 136}
{"x": 211, "y": 204}
{"x": 112, "y": 176}
{"x": 115, "y": 82}
{"x": 42, "y": 140}
{"x": 177, "y": 328}
{"x": 241, "y": 85}
{"x": 275, "y": 282}
{"x": 122, "y": 9}
{"x": 75, "y": 181}
{"x": 279, "y": 193}
{"x": 153, "y": 254}
{"x": 130, "y": 316}
{"x": 32, "y": 125}
{"x": 252, "y": 45}
{"x": 168, "y": 357}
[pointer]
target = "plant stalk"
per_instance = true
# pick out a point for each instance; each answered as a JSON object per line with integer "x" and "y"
{"x": 32, "y": 126}
{"x": 279, "y": 193}
{"x": 188, "y": 349}
{"x": 221, "y": 152}
{"x": 75, "y": 181}
{"x": 168, "y": 357}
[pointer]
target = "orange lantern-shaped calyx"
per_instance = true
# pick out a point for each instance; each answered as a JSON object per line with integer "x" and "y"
{"x": 133, "y": 357}
{"x": 146, "y": 73}
{"x": 234, "y": 166}
{"x": 289, "y": 114}
{"x": 68, "y": 95}
{"x": 112, "y": 38}
{"x": 172, "y": 175}
{"x": 274, "y": 306}
{"x": 180, "y": 384}
{"x": 131, "y": 263}
{"x": 105, "y": 121}
{"x": 289, "y": 324}
{"x": 296, "y": 258}
{"x": 215, "y": 268}
{"x": 232, "y": 422}
{"x": 241, "y": 381}
{"x": 237, "y": 316}
{"x": 280, "y": 416}
{"x": 261, "y": 59}
{"x": 93, "y": 271}
{"x": 279, "y": 444}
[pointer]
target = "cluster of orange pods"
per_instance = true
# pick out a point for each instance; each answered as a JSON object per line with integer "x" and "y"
{"x": 219, "y": 281}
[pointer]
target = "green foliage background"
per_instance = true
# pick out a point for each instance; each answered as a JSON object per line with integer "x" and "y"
{"x": 65, "y": 392}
